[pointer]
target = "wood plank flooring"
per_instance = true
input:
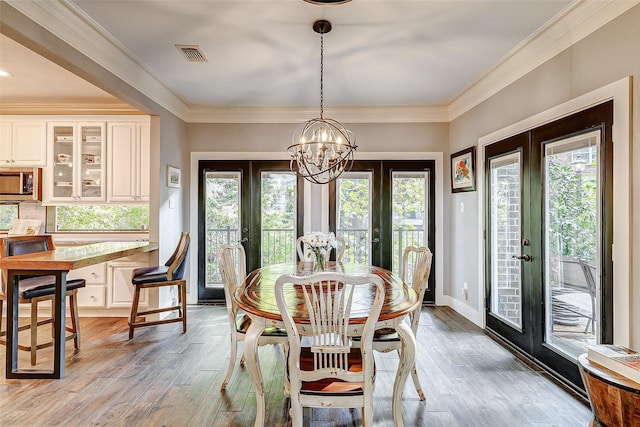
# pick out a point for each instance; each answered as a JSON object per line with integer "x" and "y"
{"x": 165, "y": 378}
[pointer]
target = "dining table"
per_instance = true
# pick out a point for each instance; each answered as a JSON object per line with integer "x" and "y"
{"x": 256, "y": 296}
{"x": 57, "y": 262}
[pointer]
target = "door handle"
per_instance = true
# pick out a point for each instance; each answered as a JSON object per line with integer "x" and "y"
{"x": 524, "y": 257}
{"x": 244, "y": 240}
{"x": 376, "y": 240}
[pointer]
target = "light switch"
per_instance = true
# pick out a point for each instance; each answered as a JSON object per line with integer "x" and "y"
{"x": 461, "y": 206}
{"x": 171, "y": 203}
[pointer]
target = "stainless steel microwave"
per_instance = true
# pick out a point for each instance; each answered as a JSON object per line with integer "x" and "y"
{"x": 18, "y": 185}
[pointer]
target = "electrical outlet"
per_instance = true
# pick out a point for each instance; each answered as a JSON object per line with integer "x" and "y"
{"x": 465, "y": 290}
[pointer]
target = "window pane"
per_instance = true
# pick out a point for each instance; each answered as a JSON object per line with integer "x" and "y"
{"x": 101, "y": 218}
{"x": 7, "y": 214}
{"x": 506, "y": 277}
{"x": 353, "y": 207}
{"x": 409, "y": 205}
{"x": 571, "y": 235}
{"x": 278, "y": 217}
{"x": 222, "y": 212}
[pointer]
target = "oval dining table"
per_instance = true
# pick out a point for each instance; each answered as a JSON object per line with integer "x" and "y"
{"x": 257, "y": 298}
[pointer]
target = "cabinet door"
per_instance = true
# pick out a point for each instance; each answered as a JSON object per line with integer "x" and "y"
{"x": 122, "y": 161}
{"x": 121, "y": 290}
{"x": 29, "y": 144}
{"x": 6, "y": 141}
{"x": 90, "y": 149}
{"x": 61, "y": 173}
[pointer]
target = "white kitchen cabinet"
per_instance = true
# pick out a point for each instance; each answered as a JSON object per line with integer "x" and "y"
{"x": 23, "y": 143}
{"x": 76, "y": 170}
{"x": 129, "y": 147}
{"x": 120, "y": 289}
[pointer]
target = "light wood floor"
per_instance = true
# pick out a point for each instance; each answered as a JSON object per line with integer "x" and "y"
{"x": 165, "y": 378}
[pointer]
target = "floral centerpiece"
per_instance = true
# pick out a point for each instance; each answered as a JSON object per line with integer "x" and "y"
{"x": 319, "y": 245}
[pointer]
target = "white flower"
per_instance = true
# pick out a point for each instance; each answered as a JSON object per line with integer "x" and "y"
{"x": 317, "y": 240}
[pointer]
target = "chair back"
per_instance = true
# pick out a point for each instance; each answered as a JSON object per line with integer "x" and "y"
{"x": 177, "y": 262}
{"x": 327, "y": 298}
{"x": 232, "y": 262}
{"x": 342, "y": 246}
{"x": 20, "y": 245}
{"x": 416, "y": 267}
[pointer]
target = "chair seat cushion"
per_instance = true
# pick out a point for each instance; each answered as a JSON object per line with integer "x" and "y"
{"x": 332, "y": 386}
{"x": 243, "y": 322}
{"x": 384, "y": 334}
{"x": 45, "y": 285}
{"x": 149, "y": 275}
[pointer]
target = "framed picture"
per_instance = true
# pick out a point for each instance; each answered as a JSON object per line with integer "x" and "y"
{"x": 463, "y": 170}
{"x": 173, "y": 177}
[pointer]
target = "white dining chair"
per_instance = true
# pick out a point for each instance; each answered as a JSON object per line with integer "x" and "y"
{"x": 326, "y": 370}
{"x": 416, "y": 267}
{"x": 232, "y": 263}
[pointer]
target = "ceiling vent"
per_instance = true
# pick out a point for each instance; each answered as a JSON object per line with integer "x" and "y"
{"x": 191, "y": 53}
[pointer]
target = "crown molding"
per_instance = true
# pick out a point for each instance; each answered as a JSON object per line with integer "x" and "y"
{"x": 391, "y": 114}
{"x": 76, "y": 108}
{"x": 575, "y": 22}
{"x": 73, "y": 26}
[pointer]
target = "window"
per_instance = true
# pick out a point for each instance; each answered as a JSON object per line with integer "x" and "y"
{"x": 98, "y": 218}
{"x": 7, "y": 214}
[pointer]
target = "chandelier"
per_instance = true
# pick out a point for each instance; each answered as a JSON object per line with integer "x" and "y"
{"x": 321, "y": 148}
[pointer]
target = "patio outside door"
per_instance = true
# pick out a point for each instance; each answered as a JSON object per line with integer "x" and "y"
{"x": 548, "y": 239}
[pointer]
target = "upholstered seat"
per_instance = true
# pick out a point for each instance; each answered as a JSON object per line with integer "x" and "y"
{"x": 170, "y": 274}
{"x": 33, "y": 290}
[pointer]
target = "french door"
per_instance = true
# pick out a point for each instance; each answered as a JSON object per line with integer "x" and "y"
{"x": 380, "y": 208}
{"x": 256, "y": 203}
{"x": 548, "y": 239}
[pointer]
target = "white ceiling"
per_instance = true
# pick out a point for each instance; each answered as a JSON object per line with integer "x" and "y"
{"x": 265, "y": 53}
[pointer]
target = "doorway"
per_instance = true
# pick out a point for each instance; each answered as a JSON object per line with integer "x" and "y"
{"x": 548, "y": 239}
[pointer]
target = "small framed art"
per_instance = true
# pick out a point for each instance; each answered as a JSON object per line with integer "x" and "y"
{"x": 173, "y": 177}
{"x": 463, "y": 170}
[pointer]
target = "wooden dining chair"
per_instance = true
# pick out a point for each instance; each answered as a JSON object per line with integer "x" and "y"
{"x": 34, "y": 290}
{"x": 232, "y": 264}
{"x": 340, "y": 248}
{"x": 416, "y": 267}
{"x": 330, "y": 372}
{"x": 170, "y": 274}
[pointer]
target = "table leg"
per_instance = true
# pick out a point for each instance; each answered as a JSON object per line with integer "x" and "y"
{"x": 59, "y": 318}
{"x": 407, "y": 358}
{"x": 252, "y": 363}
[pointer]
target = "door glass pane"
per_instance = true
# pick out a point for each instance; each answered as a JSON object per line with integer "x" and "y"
{"x": 571, "y": 253}
{"x": 278, "y": 217}
{"x": 353, "y": 215}
{"x": 63, "y": 142}
{"x": 505, "y": 208}
{"x": 409, "y": 214}
{"x": 91, "y": 161}
{"x": 222, "y": 213}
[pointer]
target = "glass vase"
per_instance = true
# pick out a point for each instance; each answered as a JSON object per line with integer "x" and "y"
{"x": 319, "y": 263}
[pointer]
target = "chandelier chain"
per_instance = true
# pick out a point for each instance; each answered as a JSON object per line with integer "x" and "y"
{"x": 321, "y": 76}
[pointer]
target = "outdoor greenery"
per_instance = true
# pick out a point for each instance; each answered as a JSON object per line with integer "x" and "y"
{"x": 571, "y": 210}
{"x": 102, "y": 218}
{"x": 7, "y": 214}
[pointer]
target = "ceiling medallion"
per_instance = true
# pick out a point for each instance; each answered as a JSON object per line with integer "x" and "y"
{"x": 322, "y": 149}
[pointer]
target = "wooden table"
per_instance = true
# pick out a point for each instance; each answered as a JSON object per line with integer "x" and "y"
{"x": 615, "y": 400}
{"x": 56, "y": 263}
{"x": 257, "y": 298}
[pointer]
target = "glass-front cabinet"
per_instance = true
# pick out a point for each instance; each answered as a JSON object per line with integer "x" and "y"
{"x": 76, "y": 172}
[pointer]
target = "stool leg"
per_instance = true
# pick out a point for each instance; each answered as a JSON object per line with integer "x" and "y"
{"x": 134, "y": 310}
{"x": 75, "y": 321}
{"x": 182, "y": 288}
{"x": 34, "y": 331}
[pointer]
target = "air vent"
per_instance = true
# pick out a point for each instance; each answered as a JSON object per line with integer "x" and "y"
{"x": 191, "y": 53}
